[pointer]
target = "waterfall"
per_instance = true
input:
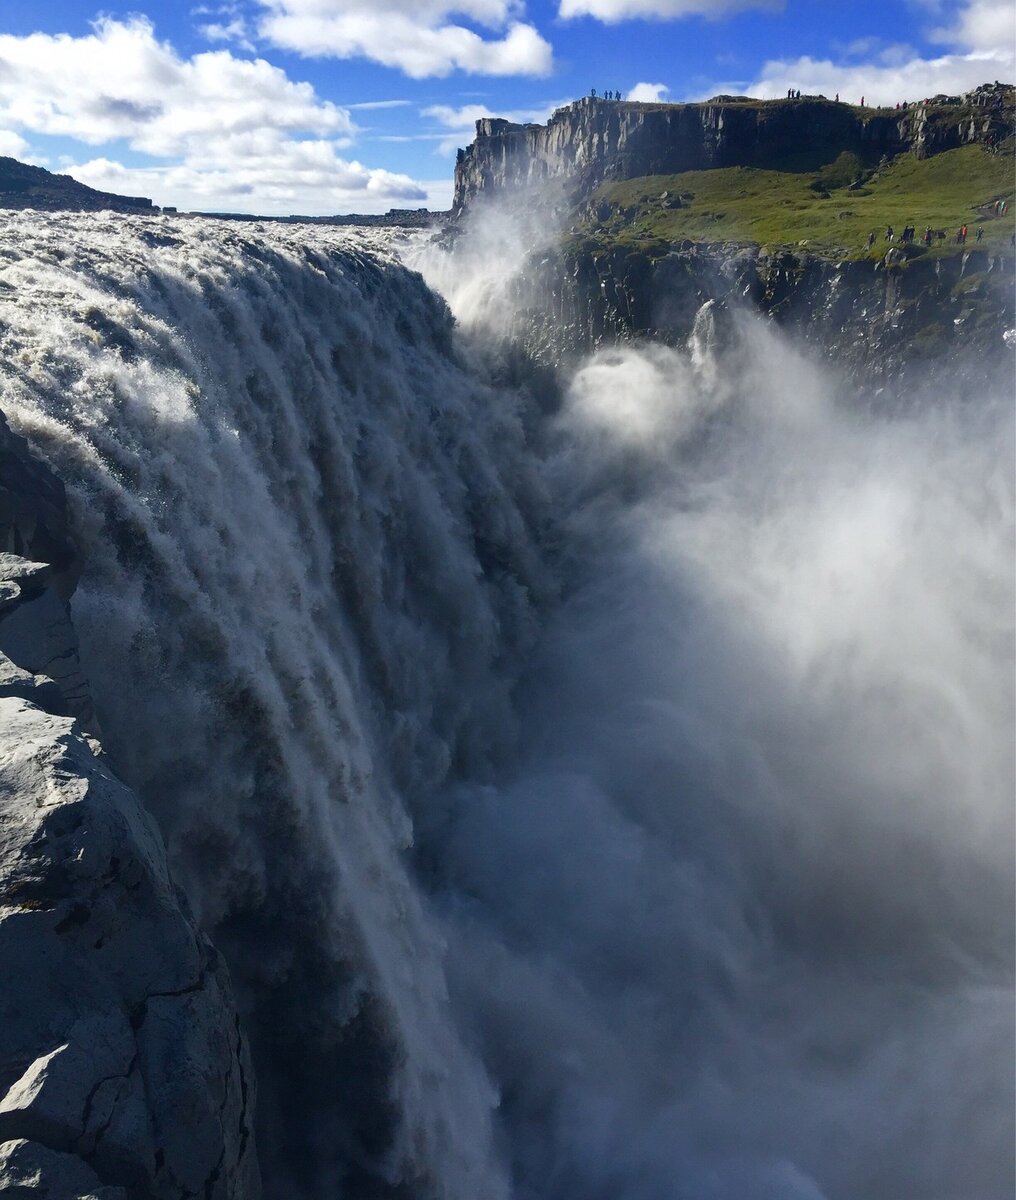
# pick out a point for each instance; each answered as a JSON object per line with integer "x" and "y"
{"x": 308, "y": 580}
{"x": 600, "y": 798}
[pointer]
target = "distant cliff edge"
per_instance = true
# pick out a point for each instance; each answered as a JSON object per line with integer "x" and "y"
{"x": 593, "y": 140}
{"x": 25, "y": 186}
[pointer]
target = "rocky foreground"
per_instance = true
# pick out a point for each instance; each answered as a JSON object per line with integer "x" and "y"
{"x": 124, "y": 1073}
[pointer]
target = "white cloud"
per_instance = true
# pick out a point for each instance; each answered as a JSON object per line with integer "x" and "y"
{"x": 612, "y": 11}
{"x": 12, "y": 145}
{"x": 417, "y": 37}
{"x": 234, "y": 30}
{"x": 462, "y": 121}
{"x": 987, "y": 26}
{"x": 244, "y": 134}
{"x": 121, "y": 82}
{"x": 265, "y": 174}
{"x": 369, "y": 104}
{"x": 982, "y": 39}
{"x": 648, "y": 93}
{"x": 229, "y": 24}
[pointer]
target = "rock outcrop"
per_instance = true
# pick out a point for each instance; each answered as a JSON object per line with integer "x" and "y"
{"x": 124, "y": 1073}
{"x": 881, "y": 321}
{"x": 593, "y": 140}
{"x": 25, "y": 186}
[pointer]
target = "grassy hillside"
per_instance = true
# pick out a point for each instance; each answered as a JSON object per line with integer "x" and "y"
{"x": 814, "y": 208}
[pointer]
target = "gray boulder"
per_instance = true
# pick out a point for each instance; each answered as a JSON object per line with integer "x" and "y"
{"x": 119, "y": 1042}
{"x": 124, "y": 1072}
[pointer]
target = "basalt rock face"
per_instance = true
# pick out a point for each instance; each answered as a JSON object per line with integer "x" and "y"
{"x": 124, "y": 1074}
{"x": 881, "y": 321}
{"x": 25, "y": 186}
{"x": 595, "y": 140}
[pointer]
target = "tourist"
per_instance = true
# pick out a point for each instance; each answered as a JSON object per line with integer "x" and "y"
{"x": 979, "y": 234}
{"x": 871, "y": 239}
{"x": 927, "y": 236}
{"x": 890, "y": 233}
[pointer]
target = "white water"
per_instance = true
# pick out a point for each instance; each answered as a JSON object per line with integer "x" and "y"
{"x": 614, "y": 804}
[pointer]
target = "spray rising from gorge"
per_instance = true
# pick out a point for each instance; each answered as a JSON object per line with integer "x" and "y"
{"x": 597, "y": 795}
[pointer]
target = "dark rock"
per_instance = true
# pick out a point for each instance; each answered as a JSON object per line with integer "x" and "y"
{"x": 25, "y": 186}
{"x": 591, "y": 141}
{"x": 124, "y": 1073}
{"x": 878, "y": 323}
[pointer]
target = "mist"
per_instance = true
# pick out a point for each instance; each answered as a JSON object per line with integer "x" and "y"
{"x": 603, "y": 794}
{"x": 738, "y": 922}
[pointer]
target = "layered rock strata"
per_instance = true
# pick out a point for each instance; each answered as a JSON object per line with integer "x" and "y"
{"x": 592, "y": 140}
{"x": 881, "y": 321}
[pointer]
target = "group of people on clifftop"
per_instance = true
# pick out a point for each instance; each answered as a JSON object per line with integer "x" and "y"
{"x": 605, "y": 96}
{"x": 930, "y": 235}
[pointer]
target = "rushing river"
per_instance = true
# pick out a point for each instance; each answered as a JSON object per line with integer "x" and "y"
{"x": 596, "y": 796}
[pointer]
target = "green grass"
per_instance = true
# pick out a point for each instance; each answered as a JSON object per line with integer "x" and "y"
{"x": 779, "y": 208}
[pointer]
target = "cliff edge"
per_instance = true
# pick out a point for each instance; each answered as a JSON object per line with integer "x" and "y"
{"x": 25, "y": 186}
{"x": 124, "y": 1074}
{"x": 594, "y": 140}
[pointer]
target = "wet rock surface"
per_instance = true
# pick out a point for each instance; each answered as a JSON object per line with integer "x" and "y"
{"x": 124, "y": 1073}
{"x": 880, "y": 321}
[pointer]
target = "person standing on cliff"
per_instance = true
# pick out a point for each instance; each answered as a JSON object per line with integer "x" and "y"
{"x": 927, "y": 236}
{"x": 871, "y": 239}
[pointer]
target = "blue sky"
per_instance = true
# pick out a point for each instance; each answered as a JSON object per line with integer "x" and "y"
{"x": 326, "y": 106}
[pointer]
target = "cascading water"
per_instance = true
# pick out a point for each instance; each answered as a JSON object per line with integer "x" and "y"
{"x": 609, "y": 802}
{"x": 307, "y": 578}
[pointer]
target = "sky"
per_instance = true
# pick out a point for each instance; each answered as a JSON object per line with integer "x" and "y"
{"x": 333, "y": 106}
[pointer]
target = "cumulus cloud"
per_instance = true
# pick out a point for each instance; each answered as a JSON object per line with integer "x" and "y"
{"x": 272, "y": 177}
{"x": 462, "y": 121}
{"x": 648, "y": 93}
{"x": 985, "y": 26}
{"x": 229, "y": 24}
{"x": 120, "y": 81}
{"x": 612, "y": 11}
{"x": 245, "y": 135}
{"x": 12, "y": 145}
{"x": 419, "y": 38}
{"x": 981, "y": 39}
{"x": 234, "y": 30}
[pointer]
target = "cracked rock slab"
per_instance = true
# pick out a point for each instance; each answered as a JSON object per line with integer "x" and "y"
{"x": 122, "y": 1069}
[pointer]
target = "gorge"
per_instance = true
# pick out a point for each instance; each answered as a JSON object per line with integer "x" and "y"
{"x": 555, "y": 753}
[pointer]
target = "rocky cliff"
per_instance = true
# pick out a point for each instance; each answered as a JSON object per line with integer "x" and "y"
{"x": 124, "y": 1074}
{"x": 25, "y": 186}
{"x": 592, "y": 140}
{"x": 880, "y": 321}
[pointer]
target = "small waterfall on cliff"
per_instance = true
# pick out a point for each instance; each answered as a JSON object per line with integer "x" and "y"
{"x": 606, "y": 802}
